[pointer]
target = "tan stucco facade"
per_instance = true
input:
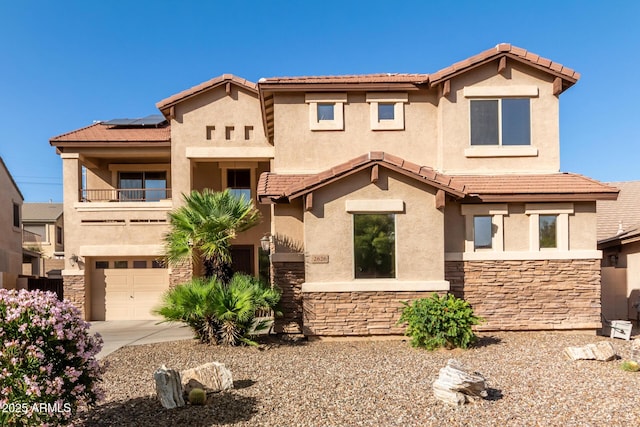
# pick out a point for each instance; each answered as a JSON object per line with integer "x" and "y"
{"x": 227, "y": 125}
{"x": 10, "y": 234}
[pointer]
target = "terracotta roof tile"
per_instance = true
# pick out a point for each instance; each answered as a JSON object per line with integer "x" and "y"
{"x": 99, "y": 132}
{"x": 359, "y": 78}
{"x": 537, "y": 187}
{"x": 501, "y": 49}
{"x": 624, "y": 212}
{"x": 202, "y": 87}
{"x": 558, "y": 183}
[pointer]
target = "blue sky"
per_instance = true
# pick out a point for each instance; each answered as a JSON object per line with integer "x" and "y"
{"x": 65, "y": 64}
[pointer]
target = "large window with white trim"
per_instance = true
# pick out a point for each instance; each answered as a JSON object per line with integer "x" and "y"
{"x": 374, "y": 245}
{"x": 505, "y": 121}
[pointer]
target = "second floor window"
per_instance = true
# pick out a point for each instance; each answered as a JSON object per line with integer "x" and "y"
{"x": 501, "y": 121}
{"x": 142, "y": 186}
{"x": 16, "y": 215}
{"x": 239, "y": 182}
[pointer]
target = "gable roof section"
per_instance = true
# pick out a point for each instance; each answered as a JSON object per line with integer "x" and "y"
{"x": 513, "y": 52}
{"x": 165, "y": 105}
{"x": 110, "y": 135}
{"x": 292, "y": 186}
{"x": 41, "y": 212}
{"x": 472, "y": 188}
{"x": 623, "y": 213}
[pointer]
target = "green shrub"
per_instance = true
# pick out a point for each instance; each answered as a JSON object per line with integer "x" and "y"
{"x": 219, "y": 313}
{"x": 439, "y": 322}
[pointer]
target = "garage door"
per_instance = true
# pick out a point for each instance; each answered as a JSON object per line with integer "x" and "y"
{"x": 127, "y": 294}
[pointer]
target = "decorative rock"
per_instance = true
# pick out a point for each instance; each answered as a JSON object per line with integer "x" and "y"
{"x": 212, "y": 376}
{"x": 457, "y": 386}
{"x": 602, "y": 351}
{"x": 168, "y": 387}
{"x": 635, "y": 350}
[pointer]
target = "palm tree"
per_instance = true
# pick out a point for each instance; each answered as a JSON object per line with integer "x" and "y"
{"x": 204, "y": 227}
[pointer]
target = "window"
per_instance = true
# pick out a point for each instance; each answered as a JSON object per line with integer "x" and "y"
{"x": 374, "y": 246}
{"x": 59, "y": 235}
{"x": 210, "y": 132}
{"x": 548, "y": 231}
{"x": 120, "y": 264}
{"x": 228, "y": 132}
{"x": 549, "y": 225}
{"x": 143, "y": 186}
{"x": 102, "y": 264}
{"x": 16, "y": 215}
{"x": 326, "y": 110}
{"x": 387, "y": 110}
{"x": 482, "y": 232}
{"x": 39, "y": 229}
{"x": 239, "y": 182}
{"x": 248, "y": 132}
{"x": 500, "y": 121}
{"x": 484, "y": 227}
{"x": 140, "y": 264}
{"x": 156, "y": 263}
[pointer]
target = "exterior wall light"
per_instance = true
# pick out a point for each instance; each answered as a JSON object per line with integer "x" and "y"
{"x": 265, "y": 243}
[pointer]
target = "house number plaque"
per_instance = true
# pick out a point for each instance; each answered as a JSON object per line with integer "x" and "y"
{"x": 319, "y": 259}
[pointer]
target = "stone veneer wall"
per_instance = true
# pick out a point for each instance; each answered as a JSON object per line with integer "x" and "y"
{"x": 355, "y": 313}
{"x": 288, "y": 277}
{"x": 182, "y": 272}
{"x": 529, "y": 295}
{"x": 73, "y": 289}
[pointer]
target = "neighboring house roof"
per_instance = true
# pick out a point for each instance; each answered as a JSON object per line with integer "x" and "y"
{"x": 622, "y": 214}
{"x": 41, "y": 212}
{"x": 11, "y": 178}
{"x": 166, "y": 104}
{"x": 112, "y": 135}
{"x": 490, "y": 188}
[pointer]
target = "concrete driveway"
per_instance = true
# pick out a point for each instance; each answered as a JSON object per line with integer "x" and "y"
{"x": 120, "y": 333}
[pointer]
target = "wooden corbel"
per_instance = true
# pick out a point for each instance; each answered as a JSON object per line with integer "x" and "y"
{"x": 557, "y": 86}
{"x": 374, "y": 174}
{"x": 308, "y": 202}
{"x": 446, "y": 88}
{"x": 440, "y": 199}
{"x": 502, "y": 65}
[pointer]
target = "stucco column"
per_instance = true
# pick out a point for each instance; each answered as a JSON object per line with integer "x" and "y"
{"x": 72, "y": 182}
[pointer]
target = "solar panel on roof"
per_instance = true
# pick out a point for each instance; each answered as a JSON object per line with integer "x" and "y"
{"x": 152, "y": 120}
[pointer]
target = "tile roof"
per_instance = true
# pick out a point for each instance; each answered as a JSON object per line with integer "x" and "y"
{"x": 534, "y": 184}
{"x": 356, "y": 78}
{"x": 99, "y": 132}
{"x": 514, "y": 52}
{"x": 203, "y": 87}
{"x": 41, "y": 211}
{"x": 624, "y": 212}
{"x": 530, "y": 187}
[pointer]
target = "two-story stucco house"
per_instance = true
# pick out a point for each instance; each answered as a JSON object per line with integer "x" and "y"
{"x": 43, "y": 225}
{"x": 10, "y": 229}
{"x": 374, "y": 189}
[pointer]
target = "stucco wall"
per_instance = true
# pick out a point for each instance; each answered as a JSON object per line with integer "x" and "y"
{"x": 455, "y": 130}
{"x": 10, "y": 236}
{"x": 419, "y": 229}
{"x": 299, "y": 149}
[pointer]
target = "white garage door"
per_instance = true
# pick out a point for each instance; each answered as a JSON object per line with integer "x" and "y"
{"x": 127, "y": 294}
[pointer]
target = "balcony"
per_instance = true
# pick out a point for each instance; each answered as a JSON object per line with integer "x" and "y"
{"x": 31, "y": 239}
{"x": 125, "y": 195}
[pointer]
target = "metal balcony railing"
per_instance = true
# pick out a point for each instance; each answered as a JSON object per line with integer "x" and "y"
{"x": 125, "y": 195}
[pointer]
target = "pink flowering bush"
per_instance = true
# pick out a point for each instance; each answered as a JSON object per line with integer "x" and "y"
{"x": 47, "y": 359}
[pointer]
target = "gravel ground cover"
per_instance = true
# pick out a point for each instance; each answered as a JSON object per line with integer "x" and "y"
{"x": 377, "y": 383}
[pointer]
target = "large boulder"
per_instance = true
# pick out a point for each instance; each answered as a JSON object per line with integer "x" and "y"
{"x": 211, "y": 377}
{"x": 457, "y": 385}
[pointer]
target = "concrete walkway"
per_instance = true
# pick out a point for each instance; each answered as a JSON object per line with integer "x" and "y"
{"x": 117, "y": 334}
